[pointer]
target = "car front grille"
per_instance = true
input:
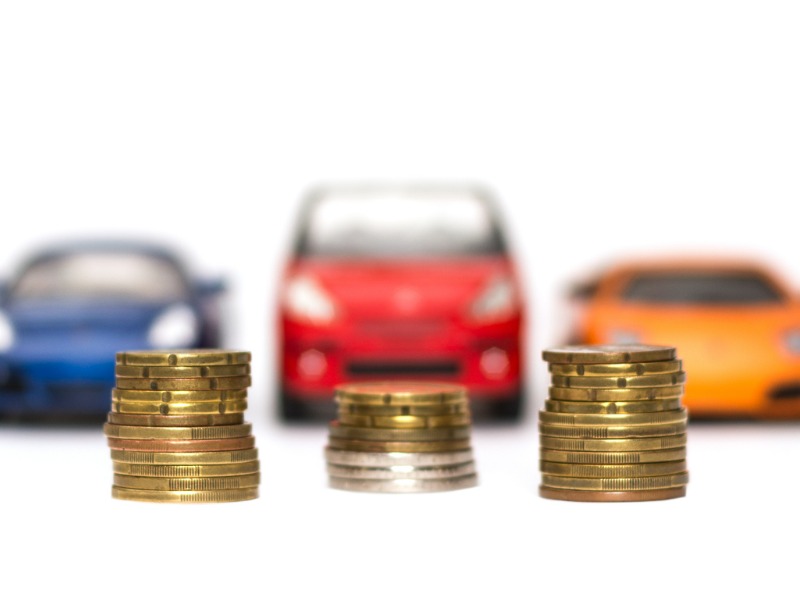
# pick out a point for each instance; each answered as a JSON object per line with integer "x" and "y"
{"x": 398, "y": 329}
{"x": 785, "y": 392}
{"x": 405, "y": 369}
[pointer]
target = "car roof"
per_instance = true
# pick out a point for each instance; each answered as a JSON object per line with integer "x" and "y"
{"x": 104, "y": 245}
{"x": 317, "y": 194}
{"x": 613, "y": 277}
{"x": 684, "y": 263}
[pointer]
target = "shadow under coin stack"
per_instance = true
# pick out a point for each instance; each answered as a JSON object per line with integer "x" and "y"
{"x": 401, "y": 437}
{"x": 176, "y": 427}
{"x": 613, "y": 428}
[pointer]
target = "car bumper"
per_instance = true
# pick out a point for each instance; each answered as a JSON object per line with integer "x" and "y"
{"x": 741, "y": 393}
{"x": 488, "y": 362}
{"x": 56, "y": 386}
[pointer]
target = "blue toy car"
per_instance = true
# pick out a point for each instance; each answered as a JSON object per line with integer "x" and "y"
{"x": 70, "y": 308}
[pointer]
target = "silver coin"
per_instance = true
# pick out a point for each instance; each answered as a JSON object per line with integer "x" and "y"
{"x": 402, "y": 471}
{"x": 404, "y": 485}
{"x": 391, "y": 459}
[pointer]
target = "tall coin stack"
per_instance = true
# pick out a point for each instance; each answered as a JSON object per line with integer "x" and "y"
{"x": 613, "y": 428}
{"x": 176, "y": 427}
{"x": 401, "y": 437}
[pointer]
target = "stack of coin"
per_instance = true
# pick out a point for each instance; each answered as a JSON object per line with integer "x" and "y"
{"x": 613, "y": 428}
{"x": 176, "y": 427}
{"x": 401, "y": 437}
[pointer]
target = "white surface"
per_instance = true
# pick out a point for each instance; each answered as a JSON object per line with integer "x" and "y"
{"x": 732, "y": 536}
{"x": 606, "y": 129}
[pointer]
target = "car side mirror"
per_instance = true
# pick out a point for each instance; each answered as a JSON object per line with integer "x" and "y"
{"x": 211, "y": 287}
{"x": 582, "y": 292}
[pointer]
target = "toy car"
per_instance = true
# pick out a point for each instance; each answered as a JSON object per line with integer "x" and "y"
{"x": 409, "y": 282}
{"x": 70, "y": 308}
{"x": 735, "y": 324}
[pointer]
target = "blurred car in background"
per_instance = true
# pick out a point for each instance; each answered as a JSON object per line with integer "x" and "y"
{"x": 70, "y": 308}
{"x": 736, "y": 326}
{"x": 388, "y": 283}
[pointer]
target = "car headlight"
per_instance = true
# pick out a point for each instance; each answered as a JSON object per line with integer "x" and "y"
{"x": 175, "y": 327}
{"x": 6, "y": 333}
{"x": 496, "y": 301}
{"x": 792, "y": 340}
{"x": 305, "y": 299}
{"x": 623, "y": 336}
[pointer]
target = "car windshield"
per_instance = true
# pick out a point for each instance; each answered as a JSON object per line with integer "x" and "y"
{"x": 101, "y": 275}
{"x": 701, "y": 288}
{"x": 413, "y": 224}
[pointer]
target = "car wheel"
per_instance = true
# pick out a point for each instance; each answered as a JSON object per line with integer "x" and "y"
{"x": 290, "y": 408}
{"x": 509, "y": 410}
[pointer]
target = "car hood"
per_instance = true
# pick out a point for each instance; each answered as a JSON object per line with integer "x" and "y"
{"x": 709, "y": 334}
{"x": 398, "y": 289}
{"x": 50, "y": 317}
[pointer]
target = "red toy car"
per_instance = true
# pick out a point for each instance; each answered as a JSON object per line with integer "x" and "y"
{"x": 400, "y": 283}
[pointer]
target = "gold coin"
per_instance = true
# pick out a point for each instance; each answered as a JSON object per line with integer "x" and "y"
{"x": 618, "y": 484}
{"x": 221, "y": 470}
{"x": 611, "y": 471}
{"x": 651, "y": 418}
{"x": 608, "y": 353}
{"x": 186, "y": 484}
{"x": 182, "y": 358}
{"x": 249, "y": 493}
{"x": 179, "y": 408}
{"x": 182, "y": 372}
{"x": 398, "y": 435}
{"x": 401, "y": 392}
{"x": 613, "y": 445}
{"x": 615, "y": 395}
{"x": 600, "y": 432}
{"x": 378, "y": 446}
{"x": 645, "y": 381}
{"x": 589, "y": 496}
{"x": 617, "y": 369}
{"x": 213, "y": 432}
{"x": 612, "y": 458}
{"x": 211, "y": 383}
{"x": 178, "y": 396}
{"x": 459, "y": 407}
{"x": 613, "y": 408}
{"x": 240, "y": 443}
{"x": 184, "y": 458}
{"x": 175, "y": 420}
{"x": 405, "y": 421}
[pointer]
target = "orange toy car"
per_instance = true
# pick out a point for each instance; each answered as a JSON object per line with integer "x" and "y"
{"x": 735, "y": 324}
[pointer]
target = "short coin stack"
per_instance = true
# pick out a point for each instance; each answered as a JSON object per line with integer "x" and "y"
{"x": 176, "y": 427}
{"x": 401, "y": 437}
{"x": 613, "y": 428}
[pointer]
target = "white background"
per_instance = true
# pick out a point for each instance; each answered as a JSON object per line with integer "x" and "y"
{"x": 606, "y": 129}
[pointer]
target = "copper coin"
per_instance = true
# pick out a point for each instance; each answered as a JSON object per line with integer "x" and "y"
{"x": 591, "y": 496}
{"x": 242, "y": 443}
